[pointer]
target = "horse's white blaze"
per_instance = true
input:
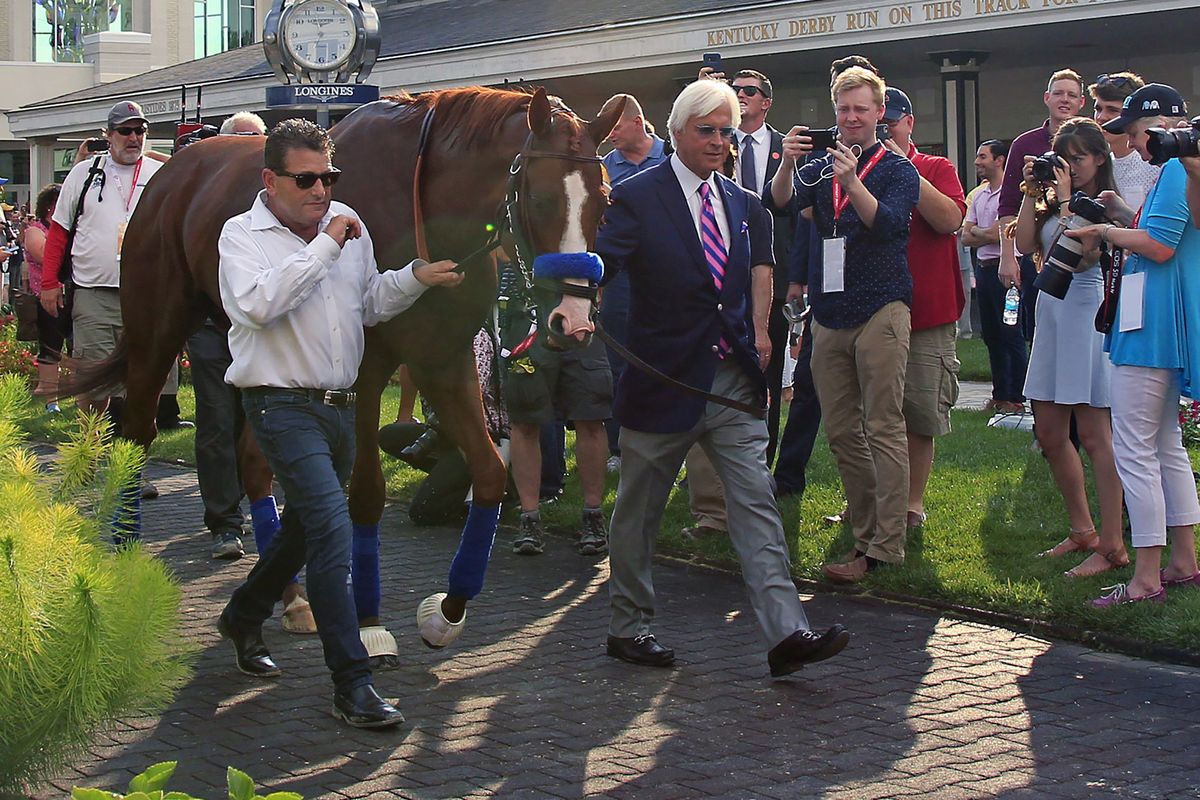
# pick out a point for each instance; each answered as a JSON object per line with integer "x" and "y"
{"x": 573, "y": 240}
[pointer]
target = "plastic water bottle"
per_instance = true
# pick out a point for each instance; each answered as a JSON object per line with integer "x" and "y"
{"x": 1012, "y": 303}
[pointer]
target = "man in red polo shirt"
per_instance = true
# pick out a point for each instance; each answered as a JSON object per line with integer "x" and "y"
{"x": 931, "y": 380}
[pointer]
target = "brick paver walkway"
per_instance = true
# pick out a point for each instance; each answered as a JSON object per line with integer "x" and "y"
{"x": 528, "y": 705}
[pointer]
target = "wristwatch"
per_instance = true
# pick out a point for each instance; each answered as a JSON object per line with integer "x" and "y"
{"x": 321, "y": 41}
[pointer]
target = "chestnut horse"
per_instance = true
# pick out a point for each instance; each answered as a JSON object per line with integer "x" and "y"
{"x": 513, "y": 159}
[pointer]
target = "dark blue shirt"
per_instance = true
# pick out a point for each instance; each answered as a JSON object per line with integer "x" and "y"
{"x": 619, "y": 168}
{"x": 876, "y": 271}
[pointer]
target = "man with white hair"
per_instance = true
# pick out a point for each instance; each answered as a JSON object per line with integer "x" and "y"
{"x": 244, "y": 122}
{"x": 697, "y": 249}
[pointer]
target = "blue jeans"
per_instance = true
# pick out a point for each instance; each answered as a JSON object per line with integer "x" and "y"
{"x": 1005, "y": 343}
{"x": 310, "y": 446}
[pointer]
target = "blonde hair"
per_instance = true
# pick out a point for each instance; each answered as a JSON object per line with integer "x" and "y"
{"x": 856, "y": 78}
{"x": 1065, "y": 75}
{"x": 700, "y": 99}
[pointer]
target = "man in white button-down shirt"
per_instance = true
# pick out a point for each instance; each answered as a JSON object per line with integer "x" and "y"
{"x": 298, "y": 280}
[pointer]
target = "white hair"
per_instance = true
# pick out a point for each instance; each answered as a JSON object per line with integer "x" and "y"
{"x": 700, "y": 99}
{"x": 244, "y": 116}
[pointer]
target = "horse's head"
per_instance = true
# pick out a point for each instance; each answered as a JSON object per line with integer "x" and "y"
{"x": 556, "y": 199}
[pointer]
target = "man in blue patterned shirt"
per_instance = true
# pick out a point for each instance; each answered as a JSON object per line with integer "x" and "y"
{"x": 861, "y": 197}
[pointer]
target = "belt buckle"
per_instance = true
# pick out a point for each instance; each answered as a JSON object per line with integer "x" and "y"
{"x": 333, "y": 397}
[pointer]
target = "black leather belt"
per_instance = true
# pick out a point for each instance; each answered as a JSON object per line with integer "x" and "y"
{"x": 339, "y": 398}
{"x": 989, "y": 263}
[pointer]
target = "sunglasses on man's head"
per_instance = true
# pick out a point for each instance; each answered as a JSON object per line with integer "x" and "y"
{"x": 709, "y": 130}
{"x": 125, "y": 130}
{"x": 305, "y": 180}
{"x": 1121, "y": 82}
{"x": 750, "y": 90}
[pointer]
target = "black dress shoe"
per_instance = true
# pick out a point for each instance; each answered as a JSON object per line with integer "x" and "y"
{"x": 644, "y": 650}
{"x": 806, "y": 647}
{"x": 252, "y": 655}
{"x": 363, "y": 708}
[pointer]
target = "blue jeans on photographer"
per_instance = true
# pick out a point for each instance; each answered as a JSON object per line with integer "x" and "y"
{"x": 310, "y": 446}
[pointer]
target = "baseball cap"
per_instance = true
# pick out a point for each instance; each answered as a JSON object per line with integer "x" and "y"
{"x": 897, "y": 105}
{"x": 1152, "y": 100}
{"x": 125, "y": 111}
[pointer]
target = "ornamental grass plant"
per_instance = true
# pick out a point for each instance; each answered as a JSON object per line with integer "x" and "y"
{"x": 87, "y": 633}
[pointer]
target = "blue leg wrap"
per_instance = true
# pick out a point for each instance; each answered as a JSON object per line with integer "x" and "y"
{"x": 364, "y": 569}
{"x": 264, "y": 518}
{"x": 127, "y": 517}
{"x": 474, "y": 550}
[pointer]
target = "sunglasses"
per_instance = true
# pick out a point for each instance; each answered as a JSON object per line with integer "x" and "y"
{"x": 127, "y": 131}
{"x": 708, "y": 130}
{"x": 305, "y": 180}
{"x": 749, "y": 91}
{"x": 1116, "y": 81}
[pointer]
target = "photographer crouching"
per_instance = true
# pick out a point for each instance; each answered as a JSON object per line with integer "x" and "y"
{"x": 1154, "y": 346}
{"x": 1068, "y": 372}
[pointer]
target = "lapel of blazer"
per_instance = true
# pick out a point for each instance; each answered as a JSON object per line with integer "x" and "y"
{"x": 773, "y": 158}
{"x": 671, "y": 195}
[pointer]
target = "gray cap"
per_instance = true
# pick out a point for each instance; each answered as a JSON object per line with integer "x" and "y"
{"x": 125, "y": 111}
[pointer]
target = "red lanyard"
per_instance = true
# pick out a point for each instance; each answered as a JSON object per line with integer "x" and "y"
{"x": 839, "y": 201}
{"x": 137, "y": 170}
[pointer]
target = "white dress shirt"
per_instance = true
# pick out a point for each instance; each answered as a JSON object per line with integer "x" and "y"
{"x": 690, "y": 183}
{"x": 760, "y": 140}
{"x": 298, "y": 308}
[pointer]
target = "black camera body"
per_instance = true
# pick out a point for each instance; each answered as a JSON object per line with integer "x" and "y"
{"x": 1062, "y": 260}
{"x": 97, "y": 145}
{"x": 1163, "y": 144}
{"x": 1043, "y": 167}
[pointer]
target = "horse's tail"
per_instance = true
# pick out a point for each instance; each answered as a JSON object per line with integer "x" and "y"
{"x": 95, "y": 377}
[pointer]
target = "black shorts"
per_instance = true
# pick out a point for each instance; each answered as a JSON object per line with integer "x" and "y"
{"x": 574, "y": 385}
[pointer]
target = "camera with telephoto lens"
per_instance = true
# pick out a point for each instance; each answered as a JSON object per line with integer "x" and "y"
{"x": 1043, "y": 167}
{"x": 1062, "y": 260}
{"x": 1164, "y": 144}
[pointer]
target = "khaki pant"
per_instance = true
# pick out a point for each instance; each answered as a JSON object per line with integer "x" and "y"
{"x": 859, "y": 376}
{"x": 706, "y": 493}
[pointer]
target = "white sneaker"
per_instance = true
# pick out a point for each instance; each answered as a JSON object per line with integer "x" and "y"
{"x": 614, "y": 464}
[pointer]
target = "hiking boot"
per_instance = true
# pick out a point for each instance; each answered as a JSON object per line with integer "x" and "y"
{"x": 593, "y": 536}
{"x": 227, "y": 546}
{"x": 531, "y": 537}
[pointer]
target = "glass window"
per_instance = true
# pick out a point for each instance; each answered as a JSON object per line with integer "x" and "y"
{"x": 222, "y": 25}
{"x": 59, "y": 26}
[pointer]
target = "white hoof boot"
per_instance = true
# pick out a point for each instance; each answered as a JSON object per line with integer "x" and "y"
{"x": 437, "y": 631}
{"x": 379, "y": 642}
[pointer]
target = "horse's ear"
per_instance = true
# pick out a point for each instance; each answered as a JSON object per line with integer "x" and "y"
{"x": 602, "y": 126}
{"x": 539, "y": 114}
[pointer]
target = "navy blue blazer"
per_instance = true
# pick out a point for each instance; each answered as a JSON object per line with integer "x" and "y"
{"x": 676, "y": 317}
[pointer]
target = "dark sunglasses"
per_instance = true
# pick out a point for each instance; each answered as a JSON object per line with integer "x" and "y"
{"x": 709, "y": 130}
{"x": 749, "y": 91}
{"x": 305, "y": 180}
{"x": 1116, "y": 81}
{"x": 127, "y": 131}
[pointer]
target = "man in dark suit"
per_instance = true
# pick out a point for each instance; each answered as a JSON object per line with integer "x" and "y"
{"x": 697, "y": 249}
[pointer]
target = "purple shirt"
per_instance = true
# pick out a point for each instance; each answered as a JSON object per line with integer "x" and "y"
{"x": 1029, "y": 143}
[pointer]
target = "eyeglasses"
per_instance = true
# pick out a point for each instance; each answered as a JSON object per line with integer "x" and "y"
{"x": 305, "y": 180}
{"x": 127, "y": 131}
{"x": 1121, "y": 82}
{"x": 708, "y": 130}
{"x": 749, "y": 90}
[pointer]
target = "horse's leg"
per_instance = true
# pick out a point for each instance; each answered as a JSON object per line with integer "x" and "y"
{"x": 367, "y": 494}
{"x": 453, "y": 391}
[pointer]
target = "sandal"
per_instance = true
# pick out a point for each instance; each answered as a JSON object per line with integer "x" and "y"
{"x": 1112, "y": 559}
{"x": 1076, "y": 542}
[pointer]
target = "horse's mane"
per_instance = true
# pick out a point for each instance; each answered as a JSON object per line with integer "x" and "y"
{"x": 470, "y": 116}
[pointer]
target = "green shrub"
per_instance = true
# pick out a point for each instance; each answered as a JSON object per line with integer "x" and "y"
{"x": 150, "y": 786}
{"x": 87, "y": 634}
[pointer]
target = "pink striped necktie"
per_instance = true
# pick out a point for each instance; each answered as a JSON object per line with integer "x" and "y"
{"x": 715, "y": 254}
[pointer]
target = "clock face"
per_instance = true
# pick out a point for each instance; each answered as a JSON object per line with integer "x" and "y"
{"x": 319, "y": 34}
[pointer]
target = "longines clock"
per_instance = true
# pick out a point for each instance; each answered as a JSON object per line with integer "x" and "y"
{"x": 321, "y": 41}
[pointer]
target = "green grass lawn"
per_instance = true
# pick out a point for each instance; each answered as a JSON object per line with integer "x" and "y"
{"x": 972, "y": 355}
{"x": 992, "y": 506}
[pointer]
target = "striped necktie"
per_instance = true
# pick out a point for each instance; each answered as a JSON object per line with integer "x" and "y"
{"x": 715, "y": 254}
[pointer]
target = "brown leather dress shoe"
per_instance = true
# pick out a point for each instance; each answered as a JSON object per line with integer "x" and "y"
{"x": 849, "y": 572}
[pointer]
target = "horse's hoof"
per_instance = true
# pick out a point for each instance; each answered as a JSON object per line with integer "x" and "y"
{"x": 384, "y": 663}
{"x": 437, "y": 631}
{"x": 381, "y": 647}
